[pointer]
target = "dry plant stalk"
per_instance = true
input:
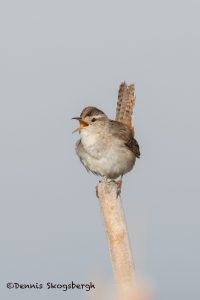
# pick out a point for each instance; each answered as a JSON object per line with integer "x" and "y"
{"x": 113, "y": 213}
{"x": 117, "y": 234}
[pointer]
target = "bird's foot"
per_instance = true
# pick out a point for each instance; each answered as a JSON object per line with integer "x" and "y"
{"x": 105, "y": 179}
{"x": 119, "y": 186}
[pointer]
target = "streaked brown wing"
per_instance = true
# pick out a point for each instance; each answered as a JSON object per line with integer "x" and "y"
{"x": 121, "y": 131}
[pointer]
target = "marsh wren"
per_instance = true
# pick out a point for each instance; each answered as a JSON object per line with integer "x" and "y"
{"x": 107, "y": 147}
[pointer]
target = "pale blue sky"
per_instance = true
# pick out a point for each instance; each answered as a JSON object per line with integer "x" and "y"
{"x": 57, "y": 57}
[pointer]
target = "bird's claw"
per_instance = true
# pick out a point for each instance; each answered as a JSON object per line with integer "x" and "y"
{"x": 119, "y": 186}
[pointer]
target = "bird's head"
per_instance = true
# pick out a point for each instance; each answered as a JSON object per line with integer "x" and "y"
{"x": 91, "y": 119}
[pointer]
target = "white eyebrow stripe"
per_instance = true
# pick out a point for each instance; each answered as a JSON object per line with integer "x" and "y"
{"x": 97, "y": 116}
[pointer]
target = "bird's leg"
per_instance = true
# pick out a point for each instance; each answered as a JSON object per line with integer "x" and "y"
{"x": 117, "y": 182}
{"x": 119, "y": 185}
{"x": 103, "y": 178}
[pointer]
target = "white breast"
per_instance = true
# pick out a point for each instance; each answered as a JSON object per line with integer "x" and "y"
{"x": 104, "y": 155}
{"x": 95, "y": 144}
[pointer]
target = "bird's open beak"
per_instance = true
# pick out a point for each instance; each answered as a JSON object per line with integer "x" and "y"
{"x": 83, "y": 124}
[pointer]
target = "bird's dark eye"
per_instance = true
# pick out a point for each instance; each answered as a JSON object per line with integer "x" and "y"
{"x": 93, "y": 120}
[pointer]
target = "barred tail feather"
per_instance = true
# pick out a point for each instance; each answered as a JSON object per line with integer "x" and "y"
{"x": 125, "y": 104}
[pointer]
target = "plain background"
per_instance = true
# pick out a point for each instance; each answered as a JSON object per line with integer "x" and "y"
{"x": 56, "y": 57}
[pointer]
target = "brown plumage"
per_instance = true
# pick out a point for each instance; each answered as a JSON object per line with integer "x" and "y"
{"x": 121, "y": 131}
{"x": 108, "y": 147}
{"x": 90, "y": 111}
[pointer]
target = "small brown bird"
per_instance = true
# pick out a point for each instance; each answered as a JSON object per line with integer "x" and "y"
{"x": 107, "y": 147}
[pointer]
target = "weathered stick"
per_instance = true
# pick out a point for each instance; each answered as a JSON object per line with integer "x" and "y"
{"x": 117, "y": 234}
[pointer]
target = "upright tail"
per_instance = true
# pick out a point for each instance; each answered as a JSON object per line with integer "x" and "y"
{"x": 125, "y": 104}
